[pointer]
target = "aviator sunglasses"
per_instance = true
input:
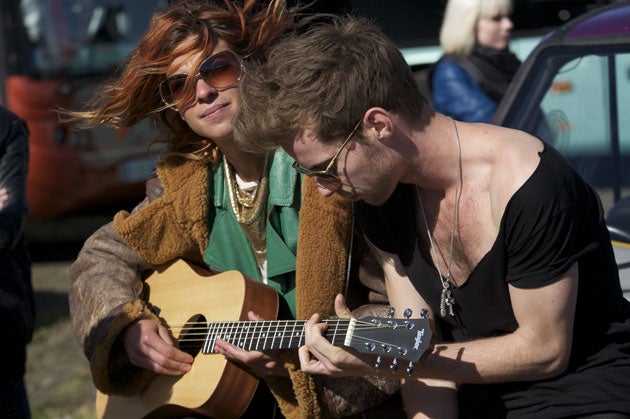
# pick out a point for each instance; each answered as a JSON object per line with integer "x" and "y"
{"x": 326, "y": 174}
{"x": 219, "y": 71}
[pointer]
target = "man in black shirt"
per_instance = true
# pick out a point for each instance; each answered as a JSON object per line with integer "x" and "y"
{"x": 487, "y": 227}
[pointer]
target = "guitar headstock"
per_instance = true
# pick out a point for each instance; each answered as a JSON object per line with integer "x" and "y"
{"x": 405, "y": 339}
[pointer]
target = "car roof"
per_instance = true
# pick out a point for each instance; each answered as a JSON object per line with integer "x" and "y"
{"x": 612, "y": 20}
{"x": 608, "y": 21}
{"x": 604, "y": 28}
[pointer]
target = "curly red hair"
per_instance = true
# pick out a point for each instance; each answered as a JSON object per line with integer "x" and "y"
{"x": 187, "y": 26}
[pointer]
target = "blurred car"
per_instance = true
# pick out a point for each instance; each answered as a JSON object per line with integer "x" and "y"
{"x": 56, "y": 53}
{"x": 415, "y": 25}
{"x": 573, "y": 91}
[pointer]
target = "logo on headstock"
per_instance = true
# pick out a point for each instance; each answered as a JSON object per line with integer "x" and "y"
{"x": 418, "y": 340}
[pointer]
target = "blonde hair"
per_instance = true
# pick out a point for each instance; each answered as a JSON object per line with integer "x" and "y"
{"x": 458, "y": 33}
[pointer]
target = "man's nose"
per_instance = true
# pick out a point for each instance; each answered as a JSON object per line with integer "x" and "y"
{"x": 327, "y": 187}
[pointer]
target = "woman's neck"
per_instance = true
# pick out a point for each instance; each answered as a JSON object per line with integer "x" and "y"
{"x": 247, "y": 165}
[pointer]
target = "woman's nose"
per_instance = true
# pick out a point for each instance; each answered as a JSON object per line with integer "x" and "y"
{"x": 203, "y": 90}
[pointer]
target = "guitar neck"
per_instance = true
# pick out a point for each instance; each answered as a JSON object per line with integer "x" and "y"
{"x": 266, "y": 335}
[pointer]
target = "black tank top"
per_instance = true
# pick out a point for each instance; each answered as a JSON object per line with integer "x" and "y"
{"x": 554, "y": 220}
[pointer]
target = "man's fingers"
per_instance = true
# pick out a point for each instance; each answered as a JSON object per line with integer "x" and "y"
{"x": 341, "y": 309}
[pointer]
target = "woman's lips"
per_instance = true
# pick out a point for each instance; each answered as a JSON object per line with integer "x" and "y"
{"x": 214, "y": 111}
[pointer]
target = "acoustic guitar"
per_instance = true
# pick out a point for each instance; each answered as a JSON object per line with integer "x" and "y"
{"x": 199, "y": 307}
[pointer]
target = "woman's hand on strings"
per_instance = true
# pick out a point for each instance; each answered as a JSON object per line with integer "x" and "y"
{"x": 149, "y": 345}
{"x": 262, "y": 364}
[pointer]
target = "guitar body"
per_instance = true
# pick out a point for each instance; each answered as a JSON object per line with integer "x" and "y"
{"x": 184, "y": 294}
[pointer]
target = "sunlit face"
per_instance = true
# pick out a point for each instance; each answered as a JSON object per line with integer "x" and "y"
{"x": 362, "y": 172}
{"x": 494, "y": 31}
{"x": 213, "y": 110}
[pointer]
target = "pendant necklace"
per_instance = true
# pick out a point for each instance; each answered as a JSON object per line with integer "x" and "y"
{"x": 446, "y": 299}
{"x": 250, "y": 208}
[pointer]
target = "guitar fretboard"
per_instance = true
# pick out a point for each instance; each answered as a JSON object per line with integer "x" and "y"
{"x": 266, "y": 335}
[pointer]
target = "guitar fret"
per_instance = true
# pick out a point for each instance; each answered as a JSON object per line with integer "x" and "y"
{"x": 267, "y": 327}
{"x": 220, "y": 331}
{"x": 282, "y": 334}
{"x": 302, "y": 335}
{"x": 336, "y": 336}
{"x": 291, "y": 345}
{"x": 208, "y": 347}
{"x": 252, "y": 335}
{"x": 334, "y": 328}
{"x": 273, "y": 336}
{"x": 299, "y": 333}
{"x": 238, "y": 335}
{"x": 257, "y": 334}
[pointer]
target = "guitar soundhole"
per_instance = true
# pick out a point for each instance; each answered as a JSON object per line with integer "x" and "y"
{"x": 193, "y": 335}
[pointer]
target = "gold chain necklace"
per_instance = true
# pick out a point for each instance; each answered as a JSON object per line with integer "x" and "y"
{"x": 250, "y": 208}
{"x": 447, "y": 300}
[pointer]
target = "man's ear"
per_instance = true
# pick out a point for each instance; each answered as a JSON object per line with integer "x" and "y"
{"x": 379, "y": 120}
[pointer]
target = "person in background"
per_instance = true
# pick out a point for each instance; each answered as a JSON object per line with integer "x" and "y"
{"x": 469, "y": 80}
{"x": 488, "y": 228}
{"x": 215, "y": 206}
{"x": 17, "y": 307}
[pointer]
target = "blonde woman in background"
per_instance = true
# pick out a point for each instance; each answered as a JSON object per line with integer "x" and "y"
{"x": 472, "y": 76}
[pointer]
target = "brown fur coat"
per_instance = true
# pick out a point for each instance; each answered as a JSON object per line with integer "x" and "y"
{"x": 173, "y": 225}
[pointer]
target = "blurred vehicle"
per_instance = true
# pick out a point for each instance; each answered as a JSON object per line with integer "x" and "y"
{"x": 55, "y": 53}
{"x": 573, "y": 92}
{"x": 414, "y": 25}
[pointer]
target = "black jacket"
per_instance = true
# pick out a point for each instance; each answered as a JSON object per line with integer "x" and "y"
{"x": 17, "y": 309}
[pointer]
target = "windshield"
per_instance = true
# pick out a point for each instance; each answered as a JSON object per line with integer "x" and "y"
{"x": 82, "y": 37}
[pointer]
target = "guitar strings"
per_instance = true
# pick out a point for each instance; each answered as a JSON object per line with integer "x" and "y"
{"x": 258, "y": 326}
{"x": 274, "y": 323}
{"x": 254, "y": 331}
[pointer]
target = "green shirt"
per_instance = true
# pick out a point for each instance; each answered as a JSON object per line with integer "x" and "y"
{"x": 228, "y": 246}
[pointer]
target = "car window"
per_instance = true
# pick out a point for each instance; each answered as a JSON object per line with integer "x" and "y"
{"x": 622, "y": 74}
{"x": 583, "y": 117}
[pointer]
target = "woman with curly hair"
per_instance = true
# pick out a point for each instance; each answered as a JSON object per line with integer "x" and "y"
{"x": 215, "y": 206}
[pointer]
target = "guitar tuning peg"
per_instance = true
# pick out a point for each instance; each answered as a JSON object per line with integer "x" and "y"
{"x": 408, "y": 313}
{"x": 377, "y": 364}
{"x": 409, "y": 369}
{"x": 424, "y": 313}
{"x": 391, "y": 312}
{"x": 394, "y": 366}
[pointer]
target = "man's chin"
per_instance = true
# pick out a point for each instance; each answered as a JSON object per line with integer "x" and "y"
{"x": 360, "y": 197}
